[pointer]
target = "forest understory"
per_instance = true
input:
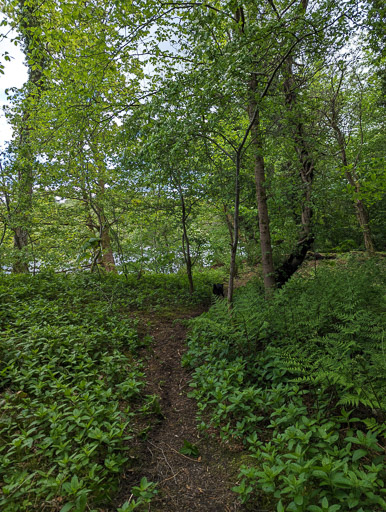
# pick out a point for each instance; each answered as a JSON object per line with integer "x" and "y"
{"x": 154, "y": 155}
{"x": 121, "y": 394}
{"x": 202, "y": 479}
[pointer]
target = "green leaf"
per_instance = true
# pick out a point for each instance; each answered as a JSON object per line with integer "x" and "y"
{"x": 68, "y": 506}
{"x": 299, "y": 499}
{"x": 81, "y": 502}
{"x": 352, "y": 501}
{"x": 339, "y": 480}
{"x": 190, "y": 449}
{"x": 358, "y": 454}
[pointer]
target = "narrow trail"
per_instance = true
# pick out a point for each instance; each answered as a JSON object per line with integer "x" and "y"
{"x": 185, "y": 484}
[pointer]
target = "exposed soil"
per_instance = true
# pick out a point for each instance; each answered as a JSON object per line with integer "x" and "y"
{"x": 185, "y": 483}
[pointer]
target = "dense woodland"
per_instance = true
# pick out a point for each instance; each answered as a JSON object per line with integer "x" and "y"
{"x": 161, "y": 147}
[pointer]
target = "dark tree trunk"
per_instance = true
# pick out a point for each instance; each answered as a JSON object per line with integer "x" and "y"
{"x": 306, "y": 172}
{"x": 229, "y": 223}
{"x": 265, "y": 235}
{"x": 186, "y": 243}
{"x": 235, "y": 237}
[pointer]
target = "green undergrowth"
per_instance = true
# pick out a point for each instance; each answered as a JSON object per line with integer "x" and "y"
{"x": 71, "y": 386}
{"x": 301, "y": 381}
{"x": 156, "y": 292}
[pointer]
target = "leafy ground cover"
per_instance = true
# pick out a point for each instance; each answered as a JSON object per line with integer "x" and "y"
{"x": 296, "y": 383}
{"x": 72, "y": 385}
{"x": 300, "y": 382}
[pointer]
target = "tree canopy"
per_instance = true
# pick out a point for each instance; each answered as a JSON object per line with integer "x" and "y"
{"x": 158, "y": 135}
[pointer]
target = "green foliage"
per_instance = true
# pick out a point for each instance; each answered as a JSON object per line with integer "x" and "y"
{"x": 69, "y": 379}
{"x": 154, "y": 291}
{"x": 118, "y": 137}
{"x": 300, "y": 380}
{"x": 143, "y": 493}
{"x": 331, "y": 332}
{"x": 190, "y": 449}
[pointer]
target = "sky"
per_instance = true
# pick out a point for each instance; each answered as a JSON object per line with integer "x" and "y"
{"x": 15, "y": 74}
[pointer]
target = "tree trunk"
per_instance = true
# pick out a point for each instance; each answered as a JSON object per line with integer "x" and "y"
{"x": 235, "y": 237}
{"x": 265, "y": 235}
{"x": 360, "y": 209}
{"x": 188, "y": 262}
{"x": 186, "y": 244}
{"x": 229, "y": 223}
{"x": 107, "y": 257}
{"x": 108, "y": 261}
{"x": 306, "y": 171}
{"x": 22, "y": 215}
{"x": 20, "y": 240}
{"x": 34, "y": 51}
{"x": 363, "y": 219}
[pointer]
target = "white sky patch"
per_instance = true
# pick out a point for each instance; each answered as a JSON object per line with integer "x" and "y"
{"x": 15, "y": 75}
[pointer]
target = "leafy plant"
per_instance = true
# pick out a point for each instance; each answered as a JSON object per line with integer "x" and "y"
{"x": 279, "y": 376}
{"x": 143, "y": 494}
{"x": 69, "y": 380}
{"x": 190, "y": 449}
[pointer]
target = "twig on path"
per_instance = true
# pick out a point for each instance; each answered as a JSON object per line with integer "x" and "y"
{"x": 151, "y": 453}
{"x": 170, "y": 477}
{"x": 182, "y": 455}
{"x": 166, "y": 460}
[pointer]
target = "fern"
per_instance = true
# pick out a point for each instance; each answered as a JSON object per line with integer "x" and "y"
{"x": 331, "y": 333}
{"x": 277, "y": 374}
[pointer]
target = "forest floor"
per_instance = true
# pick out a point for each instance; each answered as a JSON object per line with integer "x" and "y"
{"x": 184, "y": 483}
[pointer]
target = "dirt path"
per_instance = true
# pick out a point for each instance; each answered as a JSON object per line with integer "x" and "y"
{"x": 185, "y": 484}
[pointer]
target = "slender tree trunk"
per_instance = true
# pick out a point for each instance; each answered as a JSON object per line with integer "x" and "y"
{"x": 363, "y": 219}
{"x": 360, "y": 209}
{"x": 235, "y": 237}
{"x": 188, "y": 261}
{"x": 103, "y": 255}
{"x": 186, "y": 243}
{"x": 108, "y": 261}
{"x": 89, "y": 220}
{"x": 265, "y": 235}
{"x": 107, "y": 255}
{"x": 306, "y": 171}
{"x": 229, "y": 223}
